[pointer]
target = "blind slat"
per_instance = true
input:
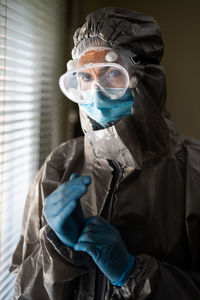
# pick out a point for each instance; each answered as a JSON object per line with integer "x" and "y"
{"x": 15, "y": 96}
{"x": 20, "y": 143}
{"x": 16, "y": 148}
{"x": 21, "y": 11}
{"x": 11, "y": 127}
{"x": 18, "y": 107}
{"x": 27, "y": 170}
{"x": 6, "y": 288}
{"x": 16, "y": 163}
{"x": 32, "y": 57}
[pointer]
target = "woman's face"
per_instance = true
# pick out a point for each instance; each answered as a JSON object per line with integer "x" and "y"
{"x": 106, "y": 76}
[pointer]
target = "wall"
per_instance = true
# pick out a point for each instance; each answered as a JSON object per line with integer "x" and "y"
{"x": 180, "y": 24}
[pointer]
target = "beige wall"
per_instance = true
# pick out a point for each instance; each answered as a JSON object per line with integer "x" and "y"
{"x": 180, "y": 24}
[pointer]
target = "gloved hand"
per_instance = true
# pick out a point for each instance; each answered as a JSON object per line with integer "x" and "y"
{"x": 103, "y": 242}
{"x": 63, "y": 210}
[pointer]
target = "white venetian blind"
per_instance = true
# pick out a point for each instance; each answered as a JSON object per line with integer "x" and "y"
{"x": 32, "y": 50}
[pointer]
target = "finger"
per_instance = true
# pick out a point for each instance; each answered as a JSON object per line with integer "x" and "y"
{"x": 65, "y": 212}
{"x": 67, "y": 195}
{"x": 75, "y": 179}
{"x": 76, "y": 193}
{"x": 98, "y": 225}
{"x": 53, "y": 211}
{"x": 96, "y": 220}
{"x": 87, "y": 247}
{"x": 67, "y": 189}
{"x": 73, "y": 176}
{"x": 90, "y": 228}
{"x": 68, "y": 186}
{"x": 80, "y": 179}
{"x": 84, "y": 179}
{"x": 58, "y": 203}
{"x": 91, "y": 237}
{"x": 66, "y": 201}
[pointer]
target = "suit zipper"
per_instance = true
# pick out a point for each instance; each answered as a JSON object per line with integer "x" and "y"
{"x": 106, "y": 213}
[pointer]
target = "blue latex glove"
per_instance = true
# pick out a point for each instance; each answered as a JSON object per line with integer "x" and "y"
{"x": 104, "y": 243}
{"x": 63, "y": 210}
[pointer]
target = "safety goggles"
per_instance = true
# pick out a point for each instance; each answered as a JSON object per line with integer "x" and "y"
{"x": 80, "y": 84}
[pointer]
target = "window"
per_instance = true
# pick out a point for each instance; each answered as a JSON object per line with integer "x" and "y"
{"x": 32, "y": 57}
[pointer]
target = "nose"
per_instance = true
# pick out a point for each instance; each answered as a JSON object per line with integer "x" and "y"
{"x": 99, "y": 99}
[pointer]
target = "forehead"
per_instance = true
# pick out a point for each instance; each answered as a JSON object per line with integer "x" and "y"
{"x": 94, "y": 56}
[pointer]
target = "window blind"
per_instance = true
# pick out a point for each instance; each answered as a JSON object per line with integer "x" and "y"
{"x": 32, "y": 57}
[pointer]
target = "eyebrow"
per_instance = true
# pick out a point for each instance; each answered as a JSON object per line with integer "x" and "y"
{"x": 101, "y": 71}
{"x": 104, "y": 69}
{"x": 83, "y": 73}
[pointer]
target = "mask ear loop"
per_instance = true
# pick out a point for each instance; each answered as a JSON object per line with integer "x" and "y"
{"x": 133, "y": 80}
{"x": 136, "y": 59}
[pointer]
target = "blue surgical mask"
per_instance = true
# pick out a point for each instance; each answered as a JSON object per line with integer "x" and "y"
{"x": 104, "y": 110}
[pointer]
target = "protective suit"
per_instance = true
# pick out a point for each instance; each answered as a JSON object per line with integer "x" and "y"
{"x": 145, "y": 179}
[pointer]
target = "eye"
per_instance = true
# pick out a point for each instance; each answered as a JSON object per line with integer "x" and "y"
{"x": 114, "y": 73}
{"x": 86, "y": 77}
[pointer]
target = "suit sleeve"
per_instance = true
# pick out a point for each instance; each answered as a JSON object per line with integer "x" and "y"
{"x": 153, "y": 279}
